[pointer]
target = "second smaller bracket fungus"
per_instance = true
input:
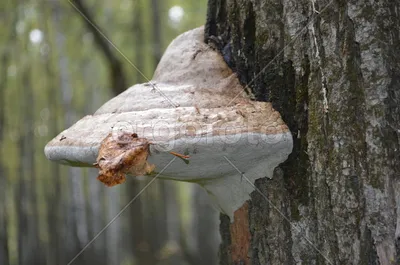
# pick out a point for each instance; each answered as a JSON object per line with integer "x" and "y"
{"x": 193, "y": 107}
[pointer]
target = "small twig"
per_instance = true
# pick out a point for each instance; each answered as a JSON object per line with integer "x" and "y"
{"x": 179, "y": 155}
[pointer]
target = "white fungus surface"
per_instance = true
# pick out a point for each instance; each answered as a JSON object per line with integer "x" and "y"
{"x": 194, "y": 105}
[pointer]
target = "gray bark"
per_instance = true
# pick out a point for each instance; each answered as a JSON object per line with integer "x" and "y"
{"x": 332, "y": 69}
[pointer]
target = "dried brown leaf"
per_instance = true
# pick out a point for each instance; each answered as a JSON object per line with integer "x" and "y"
{"x": 122, "y": 154}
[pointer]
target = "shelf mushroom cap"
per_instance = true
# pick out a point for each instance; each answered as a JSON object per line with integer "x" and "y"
{"x": 196, "y": 106}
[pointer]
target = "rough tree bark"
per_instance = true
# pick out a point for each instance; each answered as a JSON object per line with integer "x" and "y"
{"x": 332, "y": 69}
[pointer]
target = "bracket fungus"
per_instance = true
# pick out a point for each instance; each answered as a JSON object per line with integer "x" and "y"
{"x": 194, "y": 106}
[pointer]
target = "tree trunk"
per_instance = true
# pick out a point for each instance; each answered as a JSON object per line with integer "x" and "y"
{"x": 4, "y": 251}
{"x": 116, "y": 70}
{"x": 332, "y": 69}
{"x": 138, "y": 30}
{"x": 155, "y": 17}
{"x": 29, "y": 245}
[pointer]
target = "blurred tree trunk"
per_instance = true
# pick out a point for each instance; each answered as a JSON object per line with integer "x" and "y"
{"x": 113, "y": 231}
{"x": 205, "y": 227}
{"x": 75, "y": 219}
{"x": 136, "y": 224}
{"x": 54, "y": 217}
{"x": 138, "y": 31}
{"x": 94, "y": 203}
{"x": 200, "y": 238}
{"x": 4, "y": 252}
{"x": 28, "y": 228}
{"x": 54, "y": 193}
{"x": 116, "y": 70}
{"x": 332, "y": 69}
{"x": 155, "y": 16}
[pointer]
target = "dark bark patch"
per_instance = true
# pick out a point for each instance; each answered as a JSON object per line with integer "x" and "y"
{"x": 370, "y": 257}
{"x": 224, "y": 249}
{"x": 295, "y": 112}
{"x": 211, "y": 23}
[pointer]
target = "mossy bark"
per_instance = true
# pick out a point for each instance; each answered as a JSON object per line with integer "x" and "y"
{"x": 332, "y": 69}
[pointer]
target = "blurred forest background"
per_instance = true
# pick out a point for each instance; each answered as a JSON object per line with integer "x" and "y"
{"x": 54, "y": 69}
